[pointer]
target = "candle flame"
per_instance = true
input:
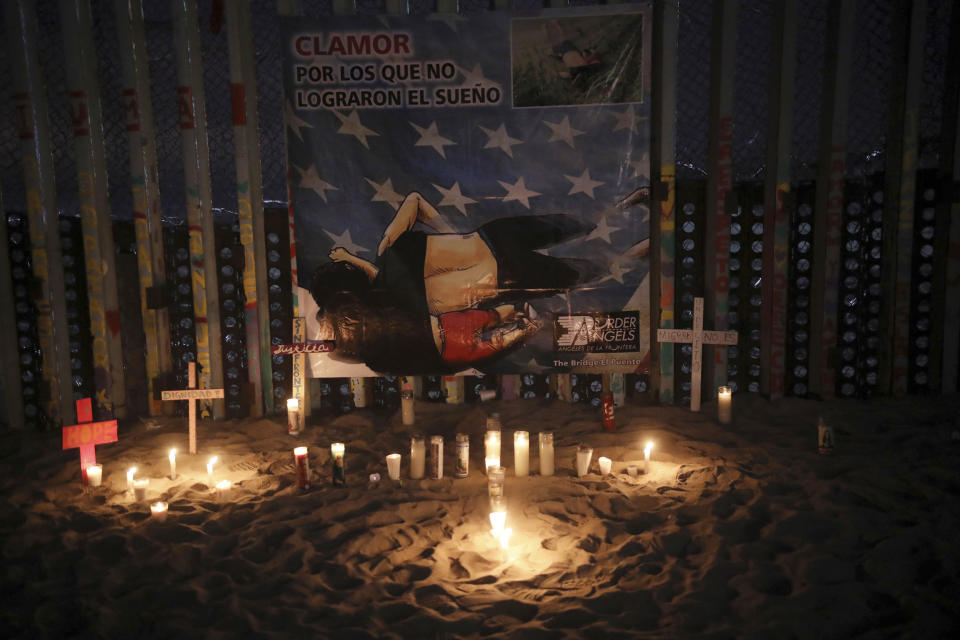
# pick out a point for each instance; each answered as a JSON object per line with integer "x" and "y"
{"x": 173, "y": 454}
{"x": 300, "y": 451}
{"x": 646, "y": 449}
{"x": 130, "y": 473}
{"x": 497, "y": 520}
{"x": 224, "y": 484}
{"x": 505, "y": 537}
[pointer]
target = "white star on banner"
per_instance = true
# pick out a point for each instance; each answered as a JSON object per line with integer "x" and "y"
{"x": 474, "y": 76}
{"x": 602, "y": 231}
{"x": 641, "y": 166}
{"x": 344, "y": 240}
{"x": 627, "y": 119}
{"x": 563, "y": 132}
{"x": 450, "y": 19}
{"x": 293, "y": 121}
{"x": 583, "y": 184}
{"x": 617, "y": 272}
{"x": 430, "y": 137}
{"x": 453, "y": 198}
{"x": 518, "y": 191}
{"x": 500, "y": 139}
{"x": 310, "y": 179}
{"x": 351, "y": 126}
{"x": 385, "y": 193}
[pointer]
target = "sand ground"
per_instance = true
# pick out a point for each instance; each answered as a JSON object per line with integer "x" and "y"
{"x": 737, "y": 531}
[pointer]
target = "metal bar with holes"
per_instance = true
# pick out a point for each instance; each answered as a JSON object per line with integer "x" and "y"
{"x": 828, "y": 203}
{"x": 9, "y": 362}
{"x": 30, "y": 102}
{"x": 945, "y": 361}
{"x": 901, "y": 168}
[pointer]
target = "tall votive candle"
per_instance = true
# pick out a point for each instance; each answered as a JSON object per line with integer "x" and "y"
{"x": 521, "y": 453}
{"x": 302, "y": 463}
{"x": 418, "y": 455}
{"x": 95, "y": 475}
{"x": 293, "y": 416}
{"x": 393, "y": 466}
{"x": 158, "y": 511}
{"x": 407, "y": 415}
{"x": 724, "y": 405}
{"x": 546, "y": 453}
{"x": 339, "y": 471}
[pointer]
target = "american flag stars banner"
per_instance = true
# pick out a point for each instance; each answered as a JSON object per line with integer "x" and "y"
{"x": 472, "y": 194}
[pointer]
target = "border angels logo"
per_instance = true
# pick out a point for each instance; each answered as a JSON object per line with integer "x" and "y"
{"x": 597, "y": 332}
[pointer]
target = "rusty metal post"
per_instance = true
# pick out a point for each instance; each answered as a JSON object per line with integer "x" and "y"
{"x": 147, "y": 213}
{"x": 243, "y": 90}
{"x": 196, "y": 170}
{"x": 98, "y": 249}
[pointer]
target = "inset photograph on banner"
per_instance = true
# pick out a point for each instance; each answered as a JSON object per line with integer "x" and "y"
{"x": 577, "y": 60}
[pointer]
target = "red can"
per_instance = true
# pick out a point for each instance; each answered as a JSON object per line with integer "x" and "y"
{"x": 608, "y": 412}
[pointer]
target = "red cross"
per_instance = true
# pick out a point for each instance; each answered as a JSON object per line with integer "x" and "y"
{"x": 87, "y": 434}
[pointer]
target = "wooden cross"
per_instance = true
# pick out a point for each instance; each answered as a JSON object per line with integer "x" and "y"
{"x": 87, "y": 434}
{"x": 698, "y": 337}
{"x": 191, "y": 395}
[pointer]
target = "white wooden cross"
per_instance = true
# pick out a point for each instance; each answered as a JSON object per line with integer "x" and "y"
{"x": 191, "y": 395}
{"x": 698, "y": 337}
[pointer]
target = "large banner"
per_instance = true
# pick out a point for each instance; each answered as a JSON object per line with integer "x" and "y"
{"x": 472, "y": 193}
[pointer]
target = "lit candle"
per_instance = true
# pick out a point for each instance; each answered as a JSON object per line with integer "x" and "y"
{"x": 605, "y": 463}
{"x": 724, "y": 405}
{"x": 158, "y": 510}
{"x": 293, "y": 416}
{"x": 407, "y": 415}
{"x": 393, "y": 466}
{"x": 462, "y": 465}
{"x": 495, "y": 482}
{"x": 303, "y": 467}
{"x": 339, "y": 472}
{"x": 584, "y": 454}
{"x": 212, "y": 461}
{"x": 521, "y": 453}
{"x": 505, "y": 537}
{"x": 491, "y": 445}
{"x": 497, "y": 520}
{"x": 490, "y": 462}
{"x": 95, "y": 475}
{"x": 223, "y": 490}
{"x": 130, "y": 473}
{"x": 173, "y": 463}
{"x": 546, "y": 453}
{"x": 418, "y": 455}
{"x": 140, "y": 488}
{"x": 646, "y": 457}
{"x": 436, "y": 457}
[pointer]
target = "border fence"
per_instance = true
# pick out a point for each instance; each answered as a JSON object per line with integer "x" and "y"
{"x": 805, "y": 168}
